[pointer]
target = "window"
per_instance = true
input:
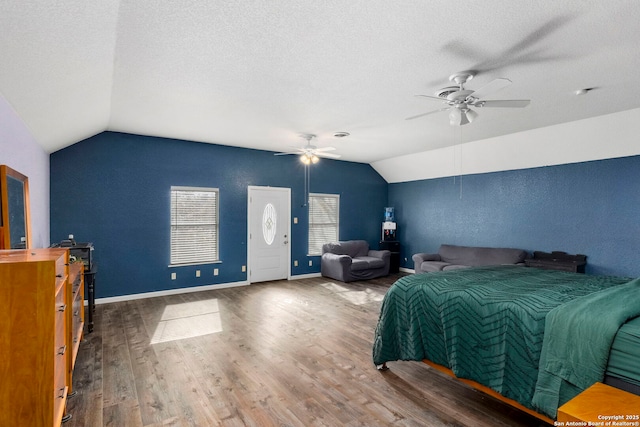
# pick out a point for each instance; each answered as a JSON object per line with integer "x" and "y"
{"x": 194, "y": 225}
{"x": 324, "y": 212}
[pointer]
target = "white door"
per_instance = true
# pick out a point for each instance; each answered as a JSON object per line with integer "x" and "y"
{"x": 269, "y": 231}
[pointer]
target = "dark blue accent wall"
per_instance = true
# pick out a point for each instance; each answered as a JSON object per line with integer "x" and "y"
{"x": 113, "y": 190}
{"x": 591, "y": 208}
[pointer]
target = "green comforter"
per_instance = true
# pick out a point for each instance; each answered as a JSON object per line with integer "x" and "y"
{"x": 486, "y": 324}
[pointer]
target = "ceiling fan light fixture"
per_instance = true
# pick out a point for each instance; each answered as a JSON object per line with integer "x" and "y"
{"x": 309, "y": 158}
{"x": 461, "y": 115}
{"x": 471, "y": 115}
{"x": 457, "y": 117}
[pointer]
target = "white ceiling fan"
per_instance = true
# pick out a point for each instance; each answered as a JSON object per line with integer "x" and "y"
{"x": 310, "y": 153}
{"x": 460, "y": 100}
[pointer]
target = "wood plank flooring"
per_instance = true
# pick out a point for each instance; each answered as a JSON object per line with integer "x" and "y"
{"x": 284, "y": 353}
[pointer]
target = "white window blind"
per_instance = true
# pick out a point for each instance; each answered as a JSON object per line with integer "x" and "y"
{"x": 194, "y": 225}
{"x": 324, "y": 212}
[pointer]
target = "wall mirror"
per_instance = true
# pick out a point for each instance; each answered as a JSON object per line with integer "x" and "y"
{"x": 15, "y": 225}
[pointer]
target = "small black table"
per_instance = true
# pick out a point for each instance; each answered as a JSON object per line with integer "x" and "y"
{"x": 557, "y": 260}
{"x": 394, "y": 247}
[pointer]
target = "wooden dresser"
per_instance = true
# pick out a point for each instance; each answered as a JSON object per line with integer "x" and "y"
{"x": 37, "y": 334}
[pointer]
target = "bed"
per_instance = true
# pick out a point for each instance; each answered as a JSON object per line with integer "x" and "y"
{"x": 537, "y": 337}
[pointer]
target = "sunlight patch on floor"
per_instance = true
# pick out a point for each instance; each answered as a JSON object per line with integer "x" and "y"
{"x": 188, "y": 320}
{"x": 354, "y": 297}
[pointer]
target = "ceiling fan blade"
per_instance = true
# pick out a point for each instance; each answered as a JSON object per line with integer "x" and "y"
{"x": 504, "y": 103}
{"x": 319, "y": 150}
{"x": 426, "y": 114}
{"x": 328, "y": 155}
{"x": 491, "y": 87}
{"x": 294, "y": 150}
{"x": 435, "y": 98}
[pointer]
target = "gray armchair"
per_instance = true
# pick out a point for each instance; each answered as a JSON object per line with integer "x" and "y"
{"x": 352, "y": 260}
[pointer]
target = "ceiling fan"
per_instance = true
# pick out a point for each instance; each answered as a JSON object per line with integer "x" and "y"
{"x": 460, "y": 100}
{"x": 310, "y": 153}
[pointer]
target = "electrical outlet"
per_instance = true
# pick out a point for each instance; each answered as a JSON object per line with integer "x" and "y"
{"x": 244, "y": 268}
{"x": 215, "y": 271}
{"x": 310, "y": 263}
{"x": 173, "y": 276}
{"x": 197, "y": 273}
{"x": 295, "y": 219}
{"x": 295, "y": 263}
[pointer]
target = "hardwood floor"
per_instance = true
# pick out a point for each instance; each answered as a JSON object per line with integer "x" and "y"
{"x": 285, "y": 353}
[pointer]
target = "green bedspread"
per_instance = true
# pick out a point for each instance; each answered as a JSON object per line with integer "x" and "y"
{"x": 486, "y": 324}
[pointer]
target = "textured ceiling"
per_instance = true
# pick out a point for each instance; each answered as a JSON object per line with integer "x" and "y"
{"x": 258, "y": 73}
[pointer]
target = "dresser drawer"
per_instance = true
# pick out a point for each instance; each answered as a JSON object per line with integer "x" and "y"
{"x": 60, "y": 313}
{"x": 78, "y": 315}
{"x": 60, "y": 327}
{"x": 59, "y": 394}
{"x": 76, "y": 277}
{"x": 77, "y": 326}
{"x": 60, "y": 382}
{"x": 60, "y": 354}
{"x": 61, "y": 267}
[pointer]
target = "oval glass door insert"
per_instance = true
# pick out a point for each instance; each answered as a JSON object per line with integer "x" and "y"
{"x": 269, "y": 220}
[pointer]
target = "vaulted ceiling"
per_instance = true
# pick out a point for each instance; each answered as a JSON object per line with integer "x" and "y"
{"x": 258, "y": 73}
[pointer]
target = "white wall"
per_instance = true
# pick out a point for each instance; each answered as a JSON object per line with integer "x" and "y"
{"x": 609, "y": 136}
{"x": 20, "y": 151}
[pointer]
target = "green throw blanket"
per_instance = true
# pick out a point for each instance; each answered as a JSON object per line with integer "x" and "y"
{"x": 486, "y": 324}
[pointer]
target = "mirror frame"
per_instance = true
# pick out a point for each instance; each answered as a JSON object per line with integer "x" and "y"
{"x": 5, "y": 234}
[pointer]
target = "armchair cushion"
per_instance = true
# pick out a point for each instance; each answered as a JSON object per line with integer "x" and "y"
{"x": 352, "y": 248}
{"x": 366, "y": 262}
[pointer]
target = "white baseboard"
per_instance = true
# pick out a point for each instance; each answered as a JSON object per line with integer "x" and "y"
{"x": 305, "y": 276}
{"x": 407, "y": 270}
{"x": 169, "y": 292}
